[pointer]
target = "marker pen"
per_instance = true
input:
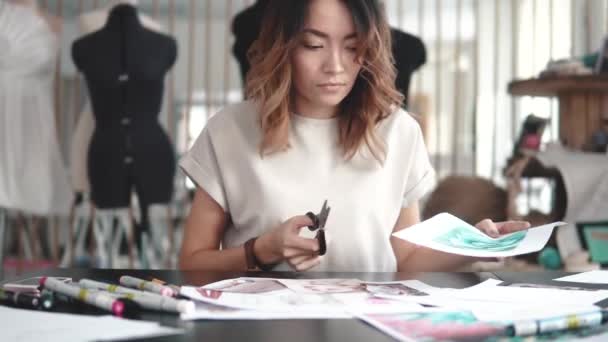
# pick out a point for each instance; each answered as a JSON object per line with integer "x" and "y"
{"x": 118, "y": 307}
{"x": 147, "y": 286}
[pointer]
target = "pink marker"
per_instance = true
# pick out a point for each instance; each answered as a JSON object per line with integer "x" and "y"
{"x": 98, "y": 299}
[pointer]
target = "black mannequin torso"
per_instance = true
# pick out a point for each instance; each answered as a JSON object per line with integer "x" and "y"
{"x": 409, "y": 54}
{"x": 124, "y": 65}
{"x": 246, "y": 27}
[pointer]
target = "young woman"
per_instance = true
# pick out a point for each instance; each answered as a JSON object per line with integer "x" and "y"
{"x": 322, "y": 122}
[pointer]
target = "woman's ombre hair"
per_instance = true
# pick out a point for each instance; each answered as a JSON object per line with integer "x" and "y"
{"x": 372, "y": 98}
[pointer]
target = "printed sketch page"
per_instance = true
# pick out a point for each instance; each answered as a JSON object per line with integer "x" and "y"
{"x": 282, "y": 300}
{"x": 323, "y": 286}
{"x": 447, "y": 233}
{"x": 319, "y": 298}
{"x": 247, "y": 285}
{"x": 434, "y": 325}
{"x": 354, "y": 303}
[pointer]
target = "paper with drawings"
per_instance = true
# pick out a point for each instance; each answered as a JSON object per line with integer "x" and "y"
{"x": 591, "y": 277}
{"x": 323, "y": 286}
{"x": 258, "y": 294}
{"x": 434, "y": 296}
{"x": 263, "y": 298}
{"x": 447, "y": 233}
{"x": 500, "y": 311}
{"x": 353, "y": 303}
{"x": 434, "y": 325}
{"x": 29, "y": 325}
{"x": 491, "y": 302}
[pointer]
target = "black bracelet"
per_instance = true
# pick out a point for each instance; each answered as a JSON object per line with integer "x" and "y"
{"x": 252, "y": 260}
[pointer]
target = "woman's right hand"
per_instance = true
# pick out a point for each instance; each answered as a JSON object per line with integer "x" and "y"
{"x": 285, "y": 243}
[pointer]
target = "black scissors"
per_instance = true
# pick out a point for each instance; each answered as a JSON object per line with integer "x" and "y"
{"x": 319, "y": 225}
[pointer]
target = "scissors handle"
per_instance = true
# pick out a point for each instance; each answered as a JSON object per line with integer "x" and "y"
{"x": 315, "y": 221}
{"x": 321, "y": 238}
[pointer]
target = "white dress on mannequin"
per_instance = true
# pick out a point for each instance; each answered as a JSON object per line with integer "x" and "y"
{"x": 33, "y": 177}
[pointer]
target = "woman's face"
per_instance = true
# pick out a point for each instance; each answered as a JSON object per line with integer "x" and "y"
{"x": 324, "y": 61}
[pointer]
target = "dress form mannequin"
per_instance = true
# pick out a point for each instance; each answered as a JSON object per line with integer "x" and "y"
{"x": 129, "y": 150}
{"x": 246, "y": 26}
{"x": 94, "y": 20}
{"x": 90, "y": 22}
{"x": 409, "y": 54}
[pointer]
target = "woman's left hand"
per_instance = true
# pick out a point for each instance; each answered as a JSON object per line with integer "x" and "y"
{"x": 496, "y": 229}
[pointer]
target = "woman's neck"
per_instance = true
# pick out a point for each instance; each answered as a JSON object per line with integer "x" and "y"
{"x": 305, "y": 108}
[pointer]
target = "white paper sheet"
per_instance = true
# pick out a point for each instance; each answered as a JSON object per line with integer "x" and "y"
{"x": 510, "y": 313}
{"x": 591, "y": 277}
{"x": 527, "y": 295}
{"x": 364, "y": 303}
{"x": 447, "y": 233}
{"x": 249, "y": 285}
{"x": 29, "y": 325}
{"x": 323, "y": 286}
{"x": 276, "y": 301}
{"x": 298, "y": 305}
{"x": 421, "y": 293}
{"x": 437, "y": 298}
{"x": 215, "y": 312}
{"x": 500, "y": 311}
{"x": 354, "y": 304}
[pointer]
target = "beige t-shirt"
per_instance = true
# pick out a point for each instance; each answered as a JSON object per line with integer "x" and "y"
{"x": 260, "y": 193}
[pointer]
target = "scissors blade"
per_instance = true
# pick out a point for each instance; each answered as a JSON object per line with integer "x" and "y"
{"x": 323, "y": 215}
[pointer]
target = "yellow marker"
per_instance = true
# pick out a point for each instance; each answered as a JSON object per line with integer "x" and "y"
{"x": 82, "y": 295}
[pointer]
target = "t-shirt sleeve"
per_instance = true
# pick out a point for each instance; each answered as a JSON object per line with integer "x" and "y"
{"x": 421, "y": 177}
{"x": 201, "y": 165}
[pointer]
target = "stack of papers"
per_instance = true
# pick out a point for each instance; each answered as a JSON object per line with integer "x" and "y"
{"x": 407, "y": 310}
{"x": 489, "y": 301}
{"x": 265, "y": 298}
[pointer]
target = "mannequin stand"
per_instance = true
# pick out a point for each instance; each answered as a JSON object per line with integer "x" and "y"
{"x": 81, "y": 215}
{"x": 24, "y": 248}
{"x": 160, "y": 241}
{"x": 110, "y": 226}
